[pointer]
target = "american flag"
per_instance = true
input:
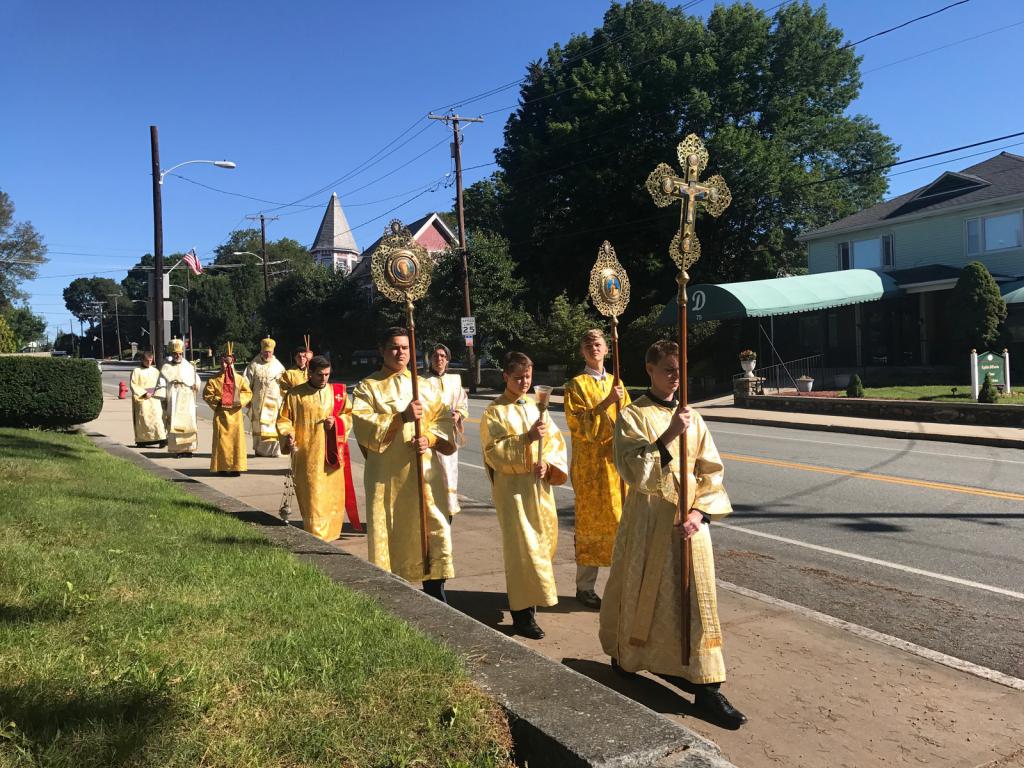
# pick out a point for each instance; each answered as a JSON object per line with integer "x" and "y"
{"x": 192, "y": 261}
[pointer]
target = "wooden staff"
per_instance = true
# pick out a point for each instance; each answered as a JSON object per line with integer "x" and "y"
{"x": 420, "y": 476}
{"x": 682, "y": 505}
{"x": 616, "y": 380}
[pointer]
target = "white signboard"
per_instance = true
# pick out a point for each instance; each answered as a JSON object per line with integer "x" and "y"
{"x": 469, "y": 326}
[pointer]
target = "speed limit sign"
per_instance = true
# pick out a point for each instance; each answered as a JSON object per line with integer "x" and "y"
{"x": 469, "y": 326}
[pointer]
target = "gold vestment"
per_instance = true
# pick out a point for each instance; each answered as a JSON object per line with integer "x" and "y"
{"x": 147, "y": 412}
{"x": 228, "y": 451}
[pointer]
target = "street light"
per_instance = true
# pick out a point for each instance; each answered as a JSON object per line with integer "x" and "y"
{"x": 266, "y": 277}
{"x": 158, "y": 232}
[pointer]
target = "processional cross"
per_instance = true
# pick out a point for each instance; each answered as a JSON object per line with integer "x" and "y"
{"x": 713, "y": 197}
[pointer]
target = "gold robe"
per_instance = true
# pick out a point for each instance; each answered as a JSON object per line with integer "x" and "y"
{"x": 228, "y": 452}
{"x": 292, "y": 378}
{"x": 641, "y": 620}
{"x": 527, "y": 513}
{"x": 453, "y": 396}
{"x": 319, "y": 488}
{"x": 178, "y": 386}
{"x": 264, "y": 378}
{"x": 389, "y": 476}
{"x": 595, "y": 480}
{"x": 147, "y": 412}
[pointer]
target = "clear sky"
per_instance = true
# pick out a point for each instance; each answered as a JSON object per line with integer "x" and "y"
{"x": 300, "y": 94}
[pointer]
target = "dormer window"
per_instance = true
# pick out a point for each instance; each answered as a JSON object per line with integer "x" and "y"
{"x": 986, "y": 234}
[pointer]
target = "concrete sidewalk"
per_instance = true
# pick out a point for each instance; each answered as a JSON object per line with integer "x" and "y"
{"x": 816, "y": 694}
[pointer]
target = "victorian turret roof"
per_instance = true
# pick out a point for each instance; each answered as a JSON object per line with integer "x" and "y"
{"x": 335, "y": 234}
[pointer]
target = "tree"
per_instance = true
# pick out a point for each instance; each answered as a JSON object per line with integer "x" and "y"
{"x": 987, "y": 393}
{"x": 21, "y": 252}
{"x": 83, "y": 293}
{"x": 24, "y": 324}
{"x": 482, "y": 203}
{"x": 7, "y": 341}
{"x": 556, "y": 337}
{"x": 978, "y": 307}
{"x": 768, "y": 94}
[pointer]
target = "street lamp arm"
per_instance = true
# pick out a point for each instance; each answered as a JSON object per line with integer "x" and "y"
{"x": 219, "y": 163}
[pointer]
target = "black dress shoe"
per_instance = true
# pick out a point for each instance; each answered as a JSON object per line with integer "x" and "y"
{"x": 589, "y": 599}
{"x": 524, "y": 623}
{"x": 712, "y": 703}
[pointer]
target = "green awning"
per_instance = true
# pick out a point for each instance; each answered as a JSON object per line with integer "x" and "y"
{"x": 782, "y": 295}
{"x": 1013, "y": 293}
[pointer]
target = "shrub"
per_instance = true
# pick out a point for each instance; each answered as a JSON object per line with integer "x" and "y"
{"x": 54, "y": 392}
{"x": 988, "y": 393}
{"x": 856, "y": 387}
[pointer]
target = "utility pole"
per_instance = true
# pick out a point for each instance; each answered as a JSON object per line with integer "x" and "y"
{"x": 263, "y": 248}
{"x": 454, "y": 120}
{"x": 158, "y": 247}
{"x": 117, "y": 325}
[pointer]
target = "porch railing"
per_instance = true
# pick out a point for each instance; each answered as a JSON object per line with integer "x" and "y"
{"x": 784, "y": 375}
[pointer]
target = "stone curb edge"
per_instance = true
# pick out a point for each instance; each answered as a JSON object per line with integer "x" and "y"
{"x": 558, "y": 717}
{"x": 900, "y": 434}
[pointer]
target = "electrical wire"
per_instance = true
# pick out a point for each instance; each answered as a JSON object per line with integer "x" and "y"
{"x": 943, "y": 47}
{"x": 904, "y": 24}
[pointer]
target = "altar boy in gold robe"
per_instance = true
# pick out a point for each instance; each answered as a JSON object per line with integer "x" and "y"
{"x": 641, "y": 615}
{"x": 592, "y": 404}
{"x": 228, "y": 394}
{"x": 525, "y": 456}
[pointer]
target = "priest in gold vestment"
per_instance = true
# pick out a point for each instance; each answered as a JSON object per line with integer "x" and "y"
{"x": 147, "y": 410}
{"x": 310, "y": 435}
{"x": 228, "y": 393}
{"x": 641, "y": 616}
{"x": 298, "y": 373}
{"x": 383, "y": 416}
{"x": 264, "y": 376}
{"x": 592, "y": 404}
{"x": 514, "y": 433}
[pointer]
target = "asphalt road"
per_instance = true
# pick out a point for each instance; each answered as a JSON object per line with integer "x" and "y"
{"x": 920, "y": 540}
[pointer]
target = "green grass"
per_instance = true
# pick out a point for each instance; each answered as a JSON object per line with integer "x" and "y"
{"x": 940, "y": 393}
{"x": 139, "y": 627}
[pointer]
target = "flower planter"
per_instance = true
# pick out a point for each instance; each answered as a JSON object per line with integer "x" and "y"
{"x": 748, "y": 367}
{"x": 804, "y": 384}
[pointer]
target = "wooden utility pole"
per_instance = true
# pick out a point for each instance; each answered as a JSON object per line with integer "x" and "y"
{"x": 454, "y": 120}
{"x": 158, "y": 248}
{"x": 263, "y": 249}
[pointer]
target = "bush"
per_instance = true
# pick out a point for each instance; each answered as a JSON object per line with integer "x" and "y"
{"x": 856, "y": 387}
{"x": 988, "y": 393}
{"x": 54, "y": 392}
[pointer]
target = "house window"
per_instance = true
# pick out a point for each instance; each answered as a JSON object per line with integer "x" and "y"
{"x": 994, "y": 233}
{"x": 873, "y": 253}
{"x": 844, "y": 256}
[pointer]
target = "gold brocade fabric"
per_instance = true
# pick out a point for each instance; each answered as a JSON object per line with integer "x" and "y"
{"x": 228, "y": 452}
{"x": 527, "y": 513}
{"x": 319, "y": 488}
{"x": 147, "y": 412}
{"x": 292, "y": 378}
{"x": 264, "y": 378}
{"x": 390, "y": 477}
{"x": 595, "y": 480}
{"x": 641, "y": 618}
{"x": 178, "y": 386}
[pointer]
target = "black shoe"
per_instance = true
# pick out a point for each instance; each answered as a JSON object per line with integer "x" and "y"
{"x": 524, "y": 623}
{"x": 186, "y": 455}
{"x": 619, "y": 670}
{"x": 712, "y": 703}
{"x": 589, "y": 599}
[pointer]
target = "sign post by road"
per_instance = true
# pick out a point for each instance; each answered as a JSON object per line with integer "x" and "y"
{"x": 469, "y": 326}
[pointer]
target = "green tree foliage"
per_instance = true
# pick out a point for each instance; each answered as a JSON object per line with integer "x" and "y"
{"x": 855, "y": 387}
{"x": 482, "y": 202}
{"x": 977, "y": 306}
{"x": 21, "y": 252}
{"x": 8, "y": 342}
{"x": 768, "y": 94}
{"x": 81, "y": 296}
{"x": 987, "y": 393}
{"x": 24, "y": 324}
{"x": 314, "y": 301}
{"x": 556, "y": 335}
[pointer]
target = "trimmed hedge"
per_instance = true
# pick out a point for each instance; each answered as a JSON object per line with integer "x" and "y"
{"x": 54, "y": 392}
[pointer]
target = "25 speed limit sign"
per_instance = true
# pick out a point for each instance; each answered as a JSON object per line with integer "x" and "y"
{"x": 469, "y": 326}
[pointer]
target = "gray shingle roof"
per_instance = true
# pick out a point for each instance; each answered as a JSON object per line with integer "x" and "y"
{"x": 335, "y": 234}
{"x": 998, "y": 177}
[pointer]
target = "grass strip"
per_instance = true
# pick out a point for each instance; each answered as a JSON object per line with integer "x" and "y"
{"x": 935, "y": 393}
{"x": 139, "y": 629}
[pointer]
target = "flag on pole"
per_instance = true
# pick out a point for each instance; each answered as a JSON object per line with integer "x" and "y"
{"x": 193, "y": 262}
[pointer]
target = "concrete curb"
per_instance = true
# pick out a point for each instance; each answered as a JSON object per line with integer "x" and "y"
{"x": 558, "y": 716}
{"x": 900, "y": 434}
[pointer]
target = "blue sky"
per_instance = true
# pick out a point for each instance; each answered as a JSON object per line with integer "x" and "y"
{"x": 299, "y": 94}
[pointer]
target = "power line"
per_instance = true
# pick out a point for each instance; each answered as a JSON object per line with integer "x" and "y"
{"x": 904, "y": 24}
{"x": 943, "y": 47}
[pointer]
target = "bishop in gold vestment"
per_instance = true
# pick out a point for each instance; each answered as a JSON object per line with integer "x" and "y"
{"x": 228, "y": 393}
{"x": 525, "y": 502}
{"x": 641, "y": 616}
{"x": 264, "y": 375}
{"x": 147, "y": 409}
{"x": 382, "y": 419}
{"x": 591, "y": 405}
{"x": 178, "y": 386}
{"x": 306, "y": 425}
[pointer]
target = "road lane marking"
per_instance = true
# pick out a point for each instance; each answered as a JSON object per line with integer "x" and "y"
{"x": 858, "y": 474}
{"x": 938, "y": 657}
{"x": 720, "y": 431}
{"x": 874, "y": 561}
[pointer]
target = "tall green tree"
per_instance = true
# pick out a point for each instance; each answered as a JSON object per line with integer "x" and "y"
{"x": 24, "y": 324}
{"x": 768, "y": 94}
{"x": 978, "y": 309}
{"x": 8, "y": 343}
{"x": 83, "y": 293}
{"x": 21, "y": 252}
